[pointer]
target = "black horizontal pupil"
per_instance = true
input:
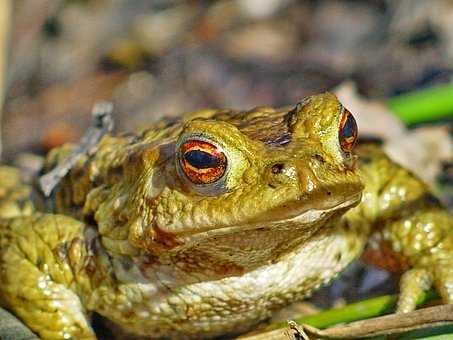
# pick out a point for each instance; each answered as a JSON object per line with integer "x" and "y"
{"x": 201, "y": 160}
{"x": 349, "y": 127}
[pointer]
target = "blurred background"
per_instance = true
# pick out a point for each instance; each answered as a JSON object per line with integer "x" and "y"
{"x": 156, "y": 58}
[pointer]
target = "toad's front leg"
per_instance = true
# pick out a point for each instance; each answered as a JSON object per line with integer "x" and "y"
{"x": 426, "y": 240}
{"x": 412, "y": 233}
{"x": 36, "y": 283}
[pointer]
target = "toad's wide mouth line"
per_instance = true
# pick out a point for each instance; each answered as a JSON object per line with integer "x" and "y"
{"x": 304, "y": 218}
{"x": 312, "y": 215}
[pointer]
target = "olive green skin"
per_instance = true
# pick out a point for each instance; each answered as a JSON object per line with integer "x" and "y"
{"x": 127, "y": 235}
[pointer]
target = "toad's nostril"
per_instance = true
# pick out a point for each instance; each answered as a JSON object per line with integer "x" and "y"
{"x": 277, "y": 168}
{"x": 281, "y": 173}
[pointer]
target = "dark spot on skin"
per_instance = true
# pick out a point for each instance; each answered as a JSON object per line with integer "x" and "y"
{"x": 329, "y": 193}
{"x": 277, "y": 168}
{"x": 319, "y": 158}
{"x": 115, "y": 171}
{"x": 272, "y": 186}
{"x": 338, "y": 257}
{"x": 347, "y": 227}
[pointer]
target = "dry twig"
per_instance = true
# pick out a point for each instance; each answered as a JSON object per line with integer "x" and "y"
{"x": 103, "y": 123}
{"x": 384, "y": 325}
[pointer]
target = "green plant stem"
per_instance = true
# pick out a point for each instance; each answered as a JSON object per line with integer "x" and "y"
{"x": 424, "y": 105}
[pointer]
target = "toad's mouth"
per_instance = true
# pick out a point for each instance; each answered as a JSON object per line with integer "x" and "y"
{"x": 305, "y": 219}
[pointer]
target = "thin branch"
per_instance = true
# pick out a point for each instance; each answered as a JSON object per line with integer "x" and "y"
{"x": 384, "y": 325}
{"x": 389, "y": 324}
{"x": 360, "y": 310}
{"x": 102, "y": 124}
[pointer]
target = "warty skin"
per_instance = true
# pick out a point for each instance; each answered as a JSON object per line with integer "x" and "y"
{"x": 130, "y": 236}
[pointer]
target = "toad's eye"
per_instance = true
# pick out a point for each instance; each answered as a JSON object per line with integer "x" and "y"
{"x": 202, "y": 162}
{"x": 347, "y": 133}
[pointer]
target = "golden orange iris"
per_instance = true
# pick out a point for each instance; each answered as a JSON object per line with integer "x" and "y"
{"x": 347, "y": 131}
{"x": 202, "y": 162}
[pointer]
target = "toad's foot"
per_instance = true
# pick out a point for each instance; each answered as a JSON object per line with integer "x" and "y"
{"x": 416, "y": 281}
{"x": 35, "y": 283}
{"x": 430, "y": 247}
